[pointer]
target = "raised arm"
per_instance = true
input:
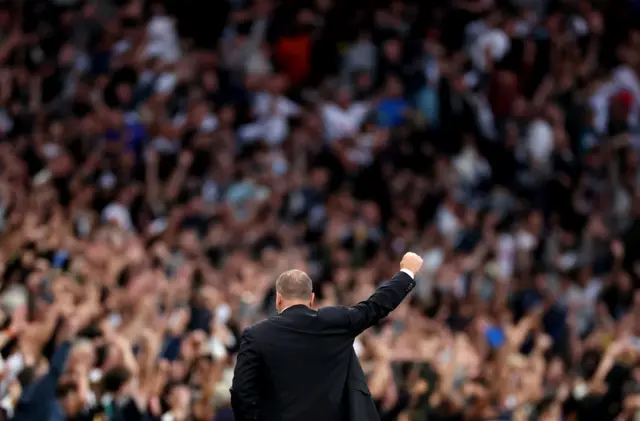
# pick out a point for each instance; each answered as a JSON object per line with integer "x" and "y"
{"x": 386, "y": 298}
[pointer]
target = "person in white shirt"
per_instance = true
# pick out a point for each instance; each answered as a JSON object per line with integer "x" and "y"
{"x": 272, "y": 109}
{"x": 623, "y": 79}
{"x": 343, "y": 118}
{"x": 163, "y": 37}
{"x": 493, "y": 44}
{"x": 540, "y": 142}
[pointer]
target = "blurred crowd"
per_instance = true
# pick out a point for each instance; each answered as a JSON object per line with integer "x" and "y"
{"x": 162, "y": 162}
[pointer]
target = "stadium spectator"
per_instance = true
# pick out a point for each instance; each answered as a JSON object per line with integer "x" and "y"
{"x": 162, "y": 162}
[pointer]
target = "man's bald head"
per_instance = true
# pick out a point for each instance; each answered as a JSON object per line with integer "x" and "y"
{"x": 294, "y": 285}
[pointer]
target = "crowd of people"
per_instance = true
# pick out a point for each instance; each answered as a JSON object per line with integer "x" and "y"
{"x": 162, "y": 162}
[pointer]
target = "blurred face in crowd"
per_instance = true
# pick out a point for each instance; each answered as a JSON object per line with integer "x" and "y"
{"x": 393, "y": 50}
{"x": 324, "y": 5}
{"x": 343, "y": 98}
{"x": 179, "y": 396}
{"x": 364, "y": 82}
{"x": 124, "y": 93}
{"x": 82, "y": 355}
{"x": 394, "y": 87}
{"x": 71, "y": 402}
{"x": 277, "y": 84}
{"x": 210, "y": 81}
{"x": 555, "y": 372}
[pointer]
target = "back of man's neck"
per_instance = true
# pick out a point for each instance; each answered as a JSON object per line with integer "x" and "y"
{"x": 293, "y": 304}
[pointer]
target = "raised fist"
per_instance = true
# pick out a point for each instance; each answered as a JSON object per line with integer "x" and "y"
{"x": 411, "y": 262}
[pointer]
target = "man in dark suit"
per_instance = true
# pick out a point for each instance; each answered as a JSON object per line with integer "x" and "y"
{"x": 300, "y": 364}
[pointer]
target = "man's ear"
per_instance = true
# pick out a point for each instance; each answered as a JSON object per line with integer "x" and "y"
{"x": 313, "y": 298}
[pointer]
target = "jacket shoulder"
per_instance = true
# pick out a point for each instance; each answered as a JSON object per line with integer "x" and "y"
{"x": 256, "y": 328}
{"x": 334, "y": 315}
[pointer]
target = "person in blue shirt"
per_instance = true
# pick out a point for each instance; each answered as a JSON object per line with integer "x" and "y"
{"x": 392, "y": 108}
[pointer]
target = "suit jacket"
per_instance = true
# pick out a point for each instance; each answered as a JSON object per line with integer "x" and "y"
{"x": 300, "y": 364}
{"x": 357, "y": 397}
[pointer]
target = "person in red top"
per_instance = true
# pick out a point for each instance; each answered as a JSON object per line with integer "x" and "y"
{"x": 293, "y": 52}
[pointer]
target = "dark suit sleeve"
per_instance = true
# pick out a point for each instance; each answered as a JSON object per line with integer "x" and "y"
{"x": 369, "y": 312}
{"x": 244, "y": 390}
